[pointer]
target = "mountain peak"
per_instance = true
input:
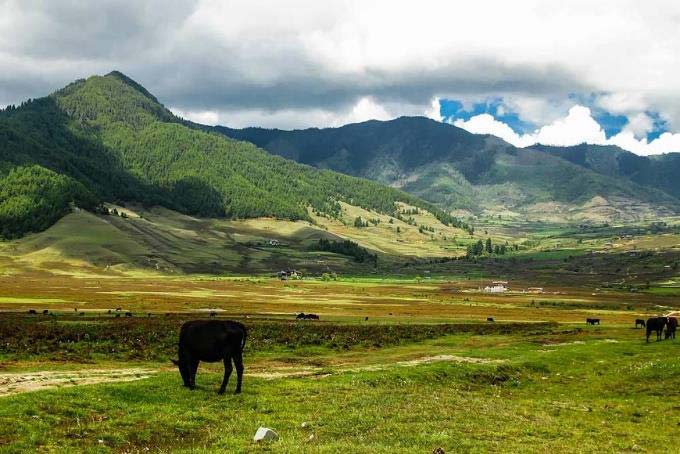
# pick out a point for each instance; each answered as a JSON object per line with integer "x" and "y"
{"x": 115, "y": 74}
{"x": 113, "y": 97}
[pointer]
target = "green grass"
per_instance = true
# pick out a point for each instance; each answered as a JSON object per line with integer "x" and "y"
{"x": 609, "y": 392}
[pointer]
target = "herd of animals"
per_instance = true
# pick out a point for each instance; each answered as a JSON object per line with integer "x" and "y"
{"x": 224, "y": 340}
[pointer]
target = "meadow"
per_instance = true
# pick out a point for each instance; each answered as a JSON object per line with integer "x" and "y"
{"x": 402, "y": 359}
{"x": 394, "y": 365}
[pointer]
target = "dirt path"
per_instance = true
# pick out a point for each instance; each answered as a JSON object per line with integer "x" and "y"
{"x": 21, "y": 382}
{"x": 35, "y": 381}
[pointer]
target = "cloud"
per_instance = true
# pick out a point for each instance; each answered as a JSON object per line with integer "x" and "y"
{"x": 577, "y": 127}
{"x": 317, "y": 60}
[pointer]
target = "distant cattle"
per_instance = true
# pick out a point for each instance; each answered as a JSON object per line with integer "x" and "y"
{"x": 639, "y": 322}
{"x": 490, "y": 319}
{"x": 118, "y": 309}
{"x": 365, "y": 319}
{"x": 303, "y": 316}
{"x": 211, "y": 341}
{"x": 671, "y": 327}
{"x": 46, "y": 312}
{"x": 213, "y": 313}
{"x": 32, "y": 311}
{"x": 655, "y": 324}
{"x": 592, "y": 321}
{"x": 81, "y": 313}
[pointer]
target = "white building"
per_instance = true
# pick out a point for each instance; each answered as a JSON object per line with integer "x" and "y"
{"x": 497, "y": 287}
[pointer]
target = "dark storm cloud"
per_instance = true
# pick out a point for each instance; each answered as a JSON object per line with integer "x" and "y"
{"x": 46, "y": 44}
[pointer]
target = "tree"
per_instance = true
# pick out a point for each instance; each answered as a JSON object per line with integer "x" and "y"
{"x": 489, "y": 247}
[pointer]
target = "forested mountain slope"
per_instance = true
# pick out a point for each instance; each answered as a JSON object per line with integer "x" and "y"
{"x": 108, "y": 139}
{"x": 456, "y": 169}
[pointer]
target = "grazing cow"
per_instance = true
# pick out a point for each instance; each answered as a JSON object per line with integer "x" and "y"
{"x": 592, "y": 321}
{"x": 213, "y": 313}
{"x": 655, "y": 324}
{"x": 490, "y": 319}
{"x": 211, "y": 341}
{"x": 365, "y": 319}
{"x": 118, "y": 309}
{"x": 46, "y": 312}
{"x": 639, "y": 322}
{"x": 671, "y": 327}
{"x": 303, "y": 316}
{"x": 32, "y": 311}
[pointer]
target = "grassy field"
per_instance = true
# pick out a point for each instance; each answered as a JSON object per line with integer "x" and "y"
{"x": 504, "y": 388}
{"x": 402, "y": 359}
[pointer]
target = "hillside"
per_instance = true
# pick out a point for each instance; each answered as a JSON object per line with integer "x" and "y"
{"x": 655, "y": 171}
{"x": 108, "y": 139}
{"x": 157, "y": 240}
{"x": 459, "y": 170}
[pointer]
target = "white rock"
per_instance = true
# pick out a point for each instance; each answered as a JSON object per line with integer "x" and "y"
{"x": 304, "y": 424}
{"x": 265, "y": 434}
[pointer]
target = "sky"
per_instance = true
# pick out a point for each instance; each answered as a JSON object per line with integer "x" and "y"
{"x": 557, "y": 73}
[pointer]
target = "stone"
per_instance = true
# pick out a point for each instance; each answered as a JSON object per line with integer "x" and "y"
{"x": 265, "y": 434}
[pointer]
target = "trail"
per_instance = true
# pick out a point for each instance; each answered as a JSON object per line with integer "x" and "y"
{"x": 23, "y": 382}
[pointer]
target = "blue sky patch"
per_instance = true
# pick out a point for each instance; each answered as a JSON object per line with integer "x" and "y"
{"x": 612, "y": 124}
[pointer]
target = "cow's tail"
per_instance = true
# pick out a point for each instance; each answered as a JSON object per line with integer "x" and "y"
{"x": 245, "y": 335}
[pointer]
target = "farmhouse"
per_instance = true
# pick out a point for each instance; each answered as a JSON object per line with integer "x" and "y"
{"x": 497, "y": 287}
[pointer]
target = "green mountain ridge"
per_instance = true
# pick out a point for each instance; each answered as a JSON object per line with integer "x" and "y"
{"x": 108, "y": 139}
{"x": 455, "y": 169}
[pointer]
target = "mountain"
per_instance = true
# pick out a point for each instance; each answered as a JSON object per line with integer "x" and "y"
{"x": 660, "y": 171}
{"x": 107, "y": 138}
{"x": 455, "y": 169}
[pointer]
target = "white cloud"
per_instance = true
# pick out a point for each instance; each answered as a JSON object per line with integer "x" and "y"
{"x": 639, "y": 124}
{"x": 434, "y": 111}
{"x": 206, "y": 117}
{"x": 363, "y": 109}
{"x": 577, "y": 127}
{"x": 301, "y": 61}
{"x": 487, "y": 124}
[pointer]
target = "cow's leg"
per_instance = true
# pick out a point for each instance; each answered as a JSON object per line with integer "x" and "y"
{"x": 227, "y": 372}
{"x": 649, "y": 333}
{"x": 192, "y": 373}
{"x": 238, "y": 362}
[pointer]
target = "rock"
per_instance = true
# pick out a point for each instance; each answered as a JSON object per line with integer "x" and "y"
{"x": 310, "y": 438}
{"x": 265, "y": 434}
{"x": 438, "y": 451}
{"x": 304, "y": 424}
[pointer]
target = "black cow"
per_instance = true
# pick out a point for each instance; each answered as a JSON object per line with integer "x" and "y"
{"x": 671, "y": 327}
{"x": 655, "y": 324}
{"x": 592, "y": 321}
{"x": 303, "y": 316}
{"x": 46, "y": 312}
{"x": 639, "y": 322}
{"x": 32, "y": 311}
{"x": 490, "y": 319}
{"x": 211, "y": 341}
